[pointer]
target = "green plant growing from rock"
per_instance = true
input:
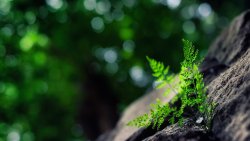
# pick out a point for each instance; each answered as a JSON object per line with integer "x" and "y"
{"x": 190, "y": 94}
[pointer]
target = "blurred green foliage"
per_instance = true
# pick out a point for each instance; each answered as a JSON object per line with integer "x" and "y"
{"x": 46, "y": 46}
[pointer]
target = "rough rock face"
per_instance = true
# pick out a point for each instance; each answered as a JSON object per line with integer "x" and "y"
{"x": 226, "y": 70}
{"x": 230, "y": 88}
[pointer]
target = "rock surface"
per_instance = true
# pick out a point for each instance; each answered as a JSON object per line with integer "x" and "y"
{"x": 139, "y": 107}
{"x": 226, "y": 70}
{"x": 230, "y": 88}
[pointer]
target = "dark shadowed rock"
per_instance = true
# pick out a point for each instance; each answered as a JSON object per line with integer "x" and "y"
{"x": 229, "y": 87}
{"x": 226, "y": 70}
{"x": 175, "y": 133}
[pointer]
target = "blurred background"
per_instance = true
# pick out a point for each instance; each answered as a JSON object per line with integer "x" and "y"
{"x": 68, "y": 68}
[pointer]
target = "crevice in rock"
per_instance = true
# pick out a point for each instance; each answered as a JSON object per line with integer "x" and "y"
{"x": 146, "y": 132}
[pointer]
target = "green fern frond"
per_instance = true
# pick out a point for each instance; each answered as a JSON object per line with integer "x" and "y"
{"x": 159, "y": 112}
{"x": 190, "y": 53}
{"x": 141, "y": 121}
{"x": 160, "y": 72}
{"x": 191, "y": 92}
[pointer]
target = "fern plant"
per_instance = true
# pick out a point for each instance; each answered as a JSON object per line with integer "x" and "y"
{"x": 162, "y": 75}
{"x": 190, "y": 94}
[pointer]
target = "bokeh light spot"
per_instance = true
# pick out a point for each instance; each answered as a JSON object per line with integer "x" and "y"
{"x": 103, "y": 7}
{"x": 7, "y": 30}
{"x": 98, "y": 52}
{"x": 5, "y": 6}
{"x": 97, "y": 24}
{"x": 31, "y": 38}
{"x": 112, "y": 68}
{"x": 55, "y": 4}
{"x": 11, "y": 92}
{"x": 28, "y": 136}
{"x": 42, "y": 40}
{"x": 40, "y": 58}
{"x": 27, "y": 42}
{"x": 129, "y": 3}
{"x": 188, "y": 12}
{"x": 138, "y": 76}
{"x": 126, "y": 33}
{"x": 89, "y": 4}
{"x": 30, "y": 17}
{"x": 110, "y": 56}
{"x": 188, "y": 27}
{"x": 173, "y": 3}
{"x": 136, "y": 73}
{"x": 13, "y": 136}
{"x": 204, "y": 10}
{"x": 128, "y": 46}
